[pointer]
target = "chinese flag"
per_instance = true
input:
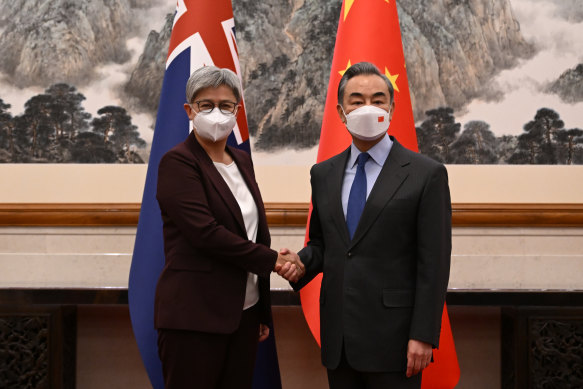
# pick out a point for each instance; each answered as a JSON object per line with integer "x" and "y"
{"x": 369, "y": 30}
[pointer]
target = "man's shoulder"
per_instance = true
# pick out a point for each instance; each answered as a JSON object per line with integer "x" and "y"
{"x": 418, "y": 160}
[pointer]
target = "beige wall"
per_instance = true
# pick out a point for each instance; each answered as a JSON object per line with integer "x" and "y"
{"x": 66, "y": 183}
{"x": 483, "y": 258}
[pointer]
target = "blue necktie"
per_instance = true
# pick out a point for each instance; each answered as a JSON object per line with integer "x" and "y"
{"x": 357, "y": 196}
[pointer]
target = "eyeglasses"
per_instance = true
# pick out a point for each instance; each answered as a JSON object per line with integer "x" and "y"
{"x": 206, "y": 106}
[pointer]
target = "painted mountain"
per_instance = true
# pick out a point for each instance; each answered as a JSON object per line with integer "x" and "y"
{"x": 491, "y": 82}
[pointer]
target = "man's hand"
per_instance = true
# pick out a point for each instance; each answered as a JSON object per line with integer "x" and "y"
{"x": 263, "y": 332}
{"x": 418, "y": 356}
{"x": 289, "y": 265}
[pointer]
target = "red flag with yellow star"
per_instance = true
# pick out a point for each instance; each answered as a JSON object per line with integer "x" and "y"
{"x": 369, "y": 30}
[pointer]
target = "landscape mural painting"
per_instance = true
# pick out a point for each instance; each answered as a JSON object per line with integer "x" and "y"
{"x": 497, "y": 82}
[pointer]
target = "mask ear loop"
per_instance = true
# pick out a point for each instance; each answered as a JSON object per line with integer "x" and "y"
{"x": 344, "y": 113}
{"x": 191, "y": 121}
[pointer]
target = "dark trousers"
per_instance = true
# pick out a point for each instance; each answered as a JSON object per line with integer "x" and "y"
{"x": 345, "y": 377}
{"x": 201, "y": 360}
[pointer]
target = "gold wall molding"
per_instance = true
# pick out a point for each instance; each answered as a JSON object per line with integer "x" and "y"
{"x": 69, "y": 214}
{"x": 286, "y": 215}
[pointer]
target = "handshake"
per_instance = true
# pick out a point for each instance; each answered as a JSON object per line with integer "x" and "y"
{"x": 289, "y": 265}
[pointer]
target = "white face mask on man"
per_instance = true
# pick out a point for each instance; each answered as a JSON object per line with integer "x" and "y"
{"x": 214, "y": 126}
{"x": 367, "y": 122}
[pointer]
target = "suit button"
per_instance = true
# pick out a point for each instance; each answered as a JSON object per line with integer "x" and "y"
{"x": 349, "y": 254}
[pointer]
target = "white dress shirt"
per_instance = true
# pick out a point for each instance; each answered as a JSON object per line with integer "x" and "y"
{"x": 236, "y": 183}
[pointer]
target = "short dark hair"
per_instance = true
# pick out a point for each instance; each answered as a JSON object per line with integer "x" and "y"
{"x": 359, "y": 69}
{"x": 212, "y": 76}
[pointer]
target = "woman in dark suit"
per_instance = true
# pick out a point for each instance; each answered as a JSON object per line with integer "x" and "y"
{"x": 212, "y": 298}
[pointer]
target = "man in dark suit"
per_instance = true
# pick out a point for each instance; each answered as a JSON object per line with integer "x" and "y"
{"x": 380, "y": 231}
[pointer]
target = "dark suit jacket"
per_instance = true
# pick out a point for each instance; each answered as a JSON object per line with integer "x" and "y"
{"x": 388, "y": 284}
{"x": 208, "y": 255}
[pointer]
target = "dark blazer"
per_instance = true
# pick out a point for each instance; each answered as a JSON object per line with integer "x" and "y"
{"x": 208, "y": 255}
{"x": 388, "y": 284}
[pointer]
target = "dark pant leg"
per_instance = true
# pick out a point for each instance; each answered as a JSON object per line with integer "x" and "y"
{"x": 190, "y": 359}
{"x": 344, "y": 376}
{"x": 241, "y": 351}
{"x": 391, "y": 381}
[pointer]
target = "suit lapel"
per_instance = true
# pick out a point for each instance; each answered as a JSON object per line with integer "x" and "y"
{"x": 246, "y": 172}
{"x": 216, "y": 179}
{"x": 392, "y": 175}
{"x": 334, "y": 183}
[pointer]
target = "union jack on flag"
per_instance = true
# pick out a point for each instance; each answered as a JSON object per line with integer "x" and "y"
{"x": 203, "y": 34}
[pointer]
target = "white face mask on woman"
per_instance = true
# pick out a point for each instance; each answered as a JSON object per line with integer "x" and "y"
{"x": 367, "y": 122}
{"x": 214, "y": 126}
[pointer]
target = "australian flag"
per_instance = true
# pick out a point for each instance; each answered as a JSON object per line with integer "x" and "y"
{"x": 203, "y": 33}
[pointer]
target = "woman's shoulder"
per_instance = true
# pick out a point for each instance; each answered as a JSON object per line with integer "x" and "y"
{"x": 239, "y": 152}
{"x": 240, "y": 155}
{"x": 178, "y": 155}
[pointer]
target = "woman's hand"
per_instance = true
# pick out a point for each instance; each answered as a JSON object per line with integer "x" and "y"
{"x": 263, "y": 332}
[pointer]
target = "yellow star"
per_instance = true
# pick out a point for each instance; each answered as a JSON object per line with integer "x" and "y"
{"x": 344, "y": 71}
{"x": 347, "y": 6}
{"x": 392, "y": 78}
